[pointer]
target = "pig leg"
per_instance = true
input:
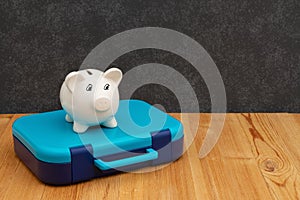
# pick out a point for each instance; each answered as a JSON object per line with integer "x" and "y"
{"x": 111, "y": 123}
{"x": 68, "y": 118}
{"x": 79, "y": 128}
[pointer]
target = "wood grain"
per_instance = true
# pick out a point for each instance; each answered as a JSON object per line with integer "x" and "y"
{"x": 257, "y": 157}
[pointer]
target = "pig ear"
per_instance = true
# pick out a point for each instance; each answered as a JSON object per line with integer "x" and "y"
{"x": 114, "y": 74}
{"x": 72, "y": 79}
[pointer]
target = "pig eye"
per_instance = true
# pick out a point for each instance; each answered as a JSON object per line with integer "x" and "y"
{"x": 106, "y": 86}
{"x": 89, "y": 87}
{"x": 90, "y": 73}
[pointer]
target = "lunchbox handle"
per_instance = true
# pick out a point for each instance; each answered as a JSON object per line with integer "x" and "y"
{"x": 150, "y": 155}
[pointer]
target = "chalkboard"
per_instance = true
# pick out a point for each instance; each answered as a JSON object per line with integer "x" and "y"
{"x": 255, "y": 45}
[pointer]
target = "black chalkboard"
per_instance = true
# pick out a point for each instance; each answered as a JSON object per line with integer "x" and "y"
{"x": 255, "y": 45}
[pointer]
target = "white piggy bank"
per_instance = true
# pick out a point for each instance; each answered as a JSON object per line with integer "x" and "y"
{"x": 91, "y": 97}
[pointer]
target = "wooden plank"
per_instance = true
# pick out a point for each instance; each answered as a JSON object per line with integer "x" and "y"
{"x": 272, "y": 156}
{"x": 288, "y": 127}
{"x": 231, "y": 167}
{"x": 4, "y": 120}
{"x": 256, "y": 158}
{"x": 229, "y": 144}
{"x": 235, "y": 179}
{"x": 6, "y": 115}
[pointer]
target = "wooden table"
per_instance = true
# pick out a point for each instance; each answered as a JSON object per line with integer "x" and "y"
{"x": 257, "y": 157}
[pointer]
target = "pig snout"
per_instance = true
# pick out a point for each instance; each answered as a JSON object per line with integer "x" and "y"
{"x": 102, "y": 104}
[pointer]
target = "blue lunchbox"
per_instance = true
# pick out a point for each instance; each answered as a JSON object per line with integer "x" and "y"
{"x": 145, "y": 136}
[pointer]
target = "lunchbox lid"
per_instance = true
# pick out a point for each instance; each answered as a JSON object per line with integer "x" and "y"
{"x": 49, "y": 137}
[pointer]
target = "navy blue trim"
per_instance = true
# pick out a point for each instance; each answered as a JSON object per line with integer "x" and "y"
{"x": 160, "y": 138}
{"x": 50, "y": 173}
{"x": 82, "y": 166}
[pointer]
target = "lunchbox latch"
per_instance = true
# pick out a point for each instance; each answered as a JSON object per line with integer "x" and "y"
{"x": 82, "y": 163}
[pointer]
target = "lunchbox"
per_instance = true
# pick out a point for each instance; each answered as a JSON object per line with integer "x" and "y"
{"x": 56, "y": 155}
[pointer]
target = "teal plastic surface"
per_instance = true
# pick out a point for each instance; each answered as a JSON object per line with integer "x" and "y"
{"x": 150, "y": 155}
{"x": 49, "y": 137}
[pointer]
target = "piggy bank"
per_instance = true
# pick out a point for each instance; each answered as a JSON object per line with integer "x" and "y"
{"x": 90, "y": 97}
